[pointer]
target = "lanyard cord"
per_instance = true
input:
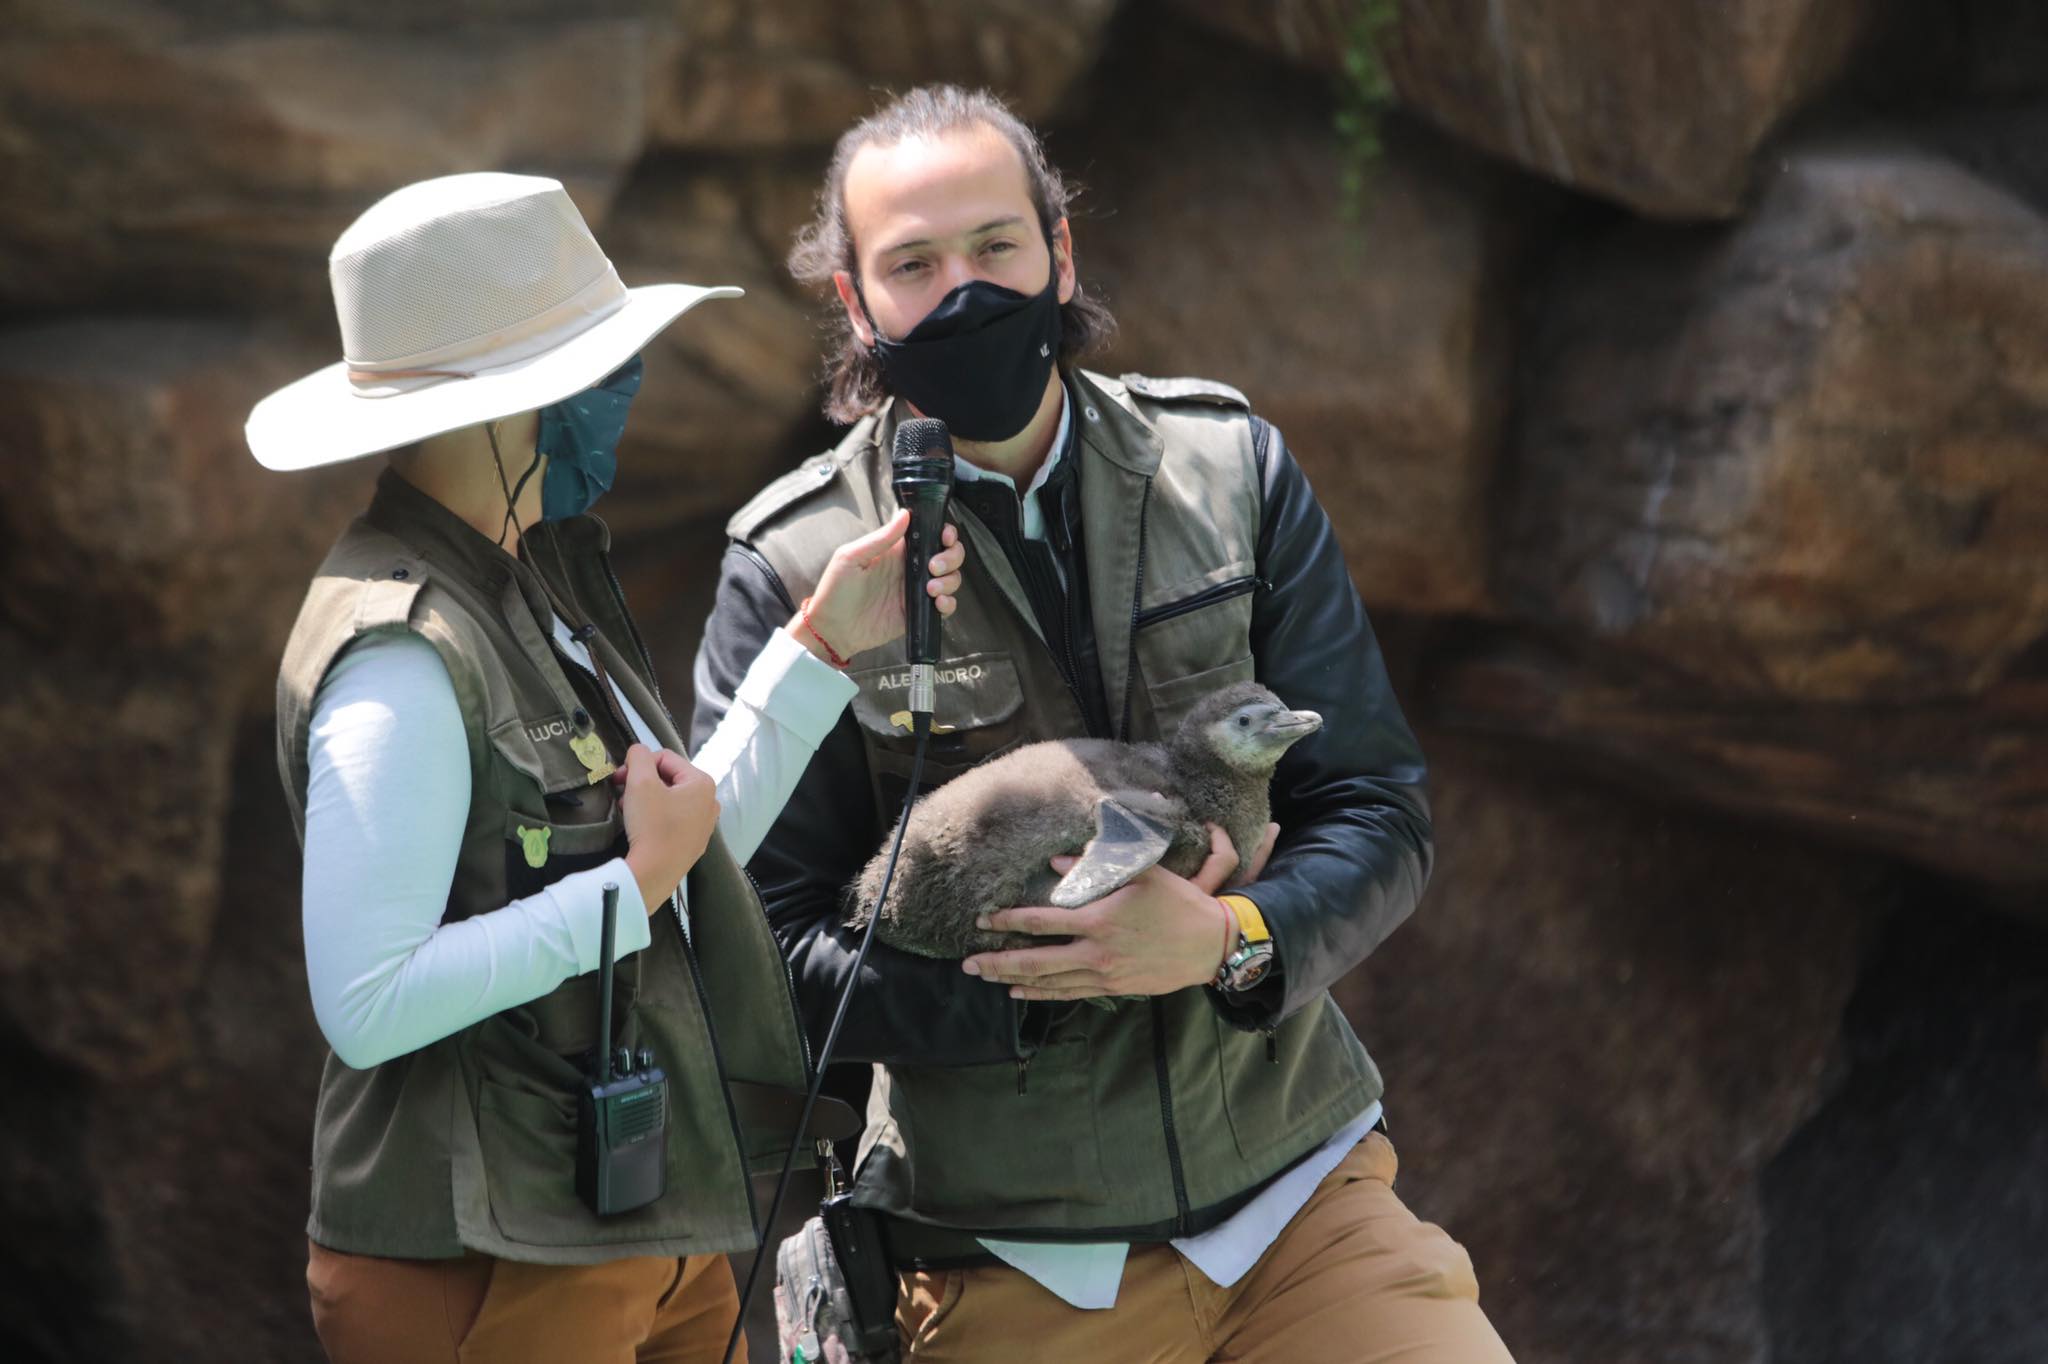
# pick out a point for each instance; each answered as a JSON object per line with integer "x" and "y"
{"x": 922, "y": 724}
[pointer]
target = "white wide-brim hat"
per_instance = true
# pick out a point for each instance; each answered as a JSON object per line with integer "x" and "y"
{"x": 461, "y": 300}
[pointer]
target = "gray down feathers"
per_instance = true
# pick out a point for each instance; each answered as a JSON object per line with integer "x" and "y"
{"x": 985, "y": 840}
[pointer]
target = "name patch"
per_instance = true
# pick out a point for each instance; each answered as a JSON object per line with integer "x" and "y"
{"x": 973, "y": 672}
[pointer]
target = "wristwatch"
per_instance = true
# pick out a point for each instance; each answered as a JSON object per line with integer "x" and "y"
{"x": 1252, "y": 958}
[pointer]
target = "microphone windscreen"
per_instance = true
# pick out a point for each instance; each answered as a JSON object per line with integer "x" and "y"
{"x": 922, "y": 438}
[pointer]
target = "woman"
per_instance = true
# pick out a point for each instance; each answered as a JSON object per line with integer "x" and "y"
{"x": 474, "y": 748}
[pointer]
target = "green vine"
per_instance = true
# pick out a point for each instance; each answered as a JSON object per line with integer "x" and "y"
{"x": 1365, "y": 93}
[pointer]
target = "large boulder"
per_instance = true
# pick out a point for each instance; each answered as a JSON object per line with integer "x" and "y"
{"x": 210, "y": 157}
{"x": 180, "y": 1193}
{"x": 1797, "y": 459}
{"x": 1606, "y": 1017}
{"x": 732, "y": 388}
{"x": 1659, "y": 107}
{"x": 148, "y": 570}
{"x": 1961, "y": 786}
{"x": 1379, "y": 346}
{"x": 752, "y": 74}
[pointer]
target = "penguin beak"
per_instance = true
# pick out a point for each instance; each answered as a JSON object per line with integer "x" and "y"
{"x": 1294, "y": 724}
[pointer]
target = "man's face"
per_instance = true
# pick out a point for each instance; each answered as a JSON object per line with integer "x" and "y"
{"x": 929, "y": 216}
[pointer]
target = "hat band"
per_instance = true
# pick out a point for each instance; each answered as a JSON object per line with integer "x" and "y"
{"x": 366, "y": 376}
{"x": 506, "y": 346}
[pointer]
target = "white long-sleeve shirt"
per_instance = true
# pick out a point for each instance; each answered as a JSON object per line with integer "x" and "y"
{"x": 386, "y": 799}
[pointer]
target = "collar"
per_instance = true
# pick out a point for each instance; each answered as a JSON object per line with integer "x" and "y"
{"x": 451, "y": 543}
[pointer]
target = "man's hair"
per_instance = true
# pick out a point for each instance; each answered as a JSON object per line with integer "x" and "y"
{"x": 855, "y": 384}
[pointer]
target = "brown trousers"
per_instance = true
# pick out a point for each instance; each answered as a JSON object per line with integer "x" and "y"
{"x": 480, "y": 1310}
{"x": 1354, "y": 1277}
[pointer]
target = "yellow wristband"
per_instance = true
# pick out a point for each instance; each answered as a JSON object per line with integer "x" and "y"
{"x": 1250, "y": 922}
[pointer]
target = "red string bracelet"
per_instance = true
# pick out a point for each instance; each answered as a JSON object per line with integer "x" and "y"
{"x": 831, "y": 654}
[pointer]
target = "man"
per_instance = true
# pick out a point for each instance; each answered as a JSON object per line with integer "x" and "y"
{"x": 1201, "y": 1174}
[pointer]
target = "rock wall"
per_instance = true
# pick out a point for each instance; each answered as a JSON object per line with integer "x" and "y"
{"x": 1678, "y": 396}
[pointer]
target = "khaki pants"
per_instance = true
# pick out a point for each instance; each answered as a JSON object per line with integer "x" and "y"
{"x": 1354, "y": 1277}
{"x": 479, "y": 1310}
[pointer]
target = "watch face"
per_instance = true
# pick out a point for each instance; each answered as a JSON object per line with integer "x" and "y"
{"x": 1248, "y": 966}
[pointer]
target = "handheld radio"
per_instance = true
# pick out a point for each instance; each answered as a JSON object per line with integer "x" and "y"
{"x": 622, "y": 1109}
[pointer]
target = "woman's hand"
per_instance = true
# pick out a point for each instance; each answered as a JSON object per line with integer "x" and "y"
{"x": 859, "y": 602}
{"x": 670, "y": 809}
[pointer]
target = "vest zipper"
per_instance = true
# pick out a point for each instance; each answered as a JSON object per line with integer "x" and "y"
{"x": 1159, "y": 1061}
{"x": 1236, "y": 587}
{"x": 1137, "y": 595}
{"x": 1180, "y": 1182}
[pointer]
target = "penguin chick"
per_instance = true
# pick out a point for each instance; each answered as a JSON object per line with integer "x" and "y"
{"x": 984, "y": 841}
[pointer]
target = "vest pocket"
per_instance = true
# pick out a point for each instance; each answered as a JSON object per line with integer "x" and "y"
{"x": 1317, "y": 1072}
{"x": 975, "y": 718}
{"x": 977, "y": 1143}
{"x": 540, "y": 852}
{"x": 529, "y": 1159}
{"x": 1173, "y": 699}
{"x": 542, "y": 752}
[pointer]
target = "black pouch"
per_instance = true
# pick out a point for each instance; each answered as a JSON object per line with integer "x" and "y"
{"x": 835, "y": 1292}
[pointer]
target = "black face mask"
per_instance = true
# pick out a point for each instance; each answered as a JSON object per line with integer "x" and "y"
{"x": 979, "y": 361}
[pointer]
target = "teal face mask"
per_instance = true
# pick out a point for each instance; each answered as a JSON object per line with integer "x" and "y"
{"x": 580, "y": 437}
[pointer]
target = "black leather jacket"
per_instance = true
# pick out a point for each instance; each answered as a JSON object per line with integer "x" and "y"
{"x": 1355, "y": 846}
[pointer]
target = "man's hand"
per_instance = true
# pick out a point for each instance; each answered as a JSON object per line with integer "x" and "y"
{"x": 1158, "y": 934}
{"x": 859, "y": 602}
{"x": 670, "y": 809}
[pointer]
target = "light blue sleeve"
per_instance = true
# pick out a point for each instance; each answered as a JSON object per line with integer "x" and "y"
{"x": 386, "y": 801}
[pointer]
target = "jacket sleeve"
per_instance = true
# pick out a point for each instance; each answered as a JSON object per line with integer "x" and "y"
{"x": 1355, "y": 845}
{"x": 907, "y": 1009}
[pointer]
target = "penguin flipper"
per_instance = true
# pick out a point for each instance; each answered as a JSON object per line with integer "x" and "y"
{"x": 1125, "y": 844}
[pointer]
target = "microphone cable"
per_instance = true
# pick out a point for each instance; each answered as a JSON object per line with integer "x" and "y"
{"x": 922, "y": 724}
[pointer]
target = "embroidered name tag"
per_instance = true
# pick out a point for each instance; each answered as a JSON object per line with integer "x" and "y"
{"x": 587, "y": 748}
{"x": 967, "y": 674}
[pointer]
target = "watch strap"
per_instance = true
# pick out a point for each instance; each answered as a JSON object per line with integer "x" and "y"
{"x": 1251, "y": 925}
{"x": 1253, "y": 956}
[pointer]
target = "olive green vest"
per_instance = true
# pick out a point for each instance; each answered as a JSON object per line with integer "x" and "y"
{"x": 470, "y": 1142}
{"x": 1124, "y": 1120}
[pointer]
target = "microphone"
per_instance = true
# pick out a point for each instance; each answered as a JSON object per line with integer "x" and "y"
{"x": 923, "y": 479}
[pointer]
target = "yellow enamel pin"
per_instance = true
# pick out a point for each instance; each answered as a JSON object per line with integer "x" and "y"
{"x": 901, "y": 719}
{"x": 589, "y": 750}
{"x": 535, "y": 843}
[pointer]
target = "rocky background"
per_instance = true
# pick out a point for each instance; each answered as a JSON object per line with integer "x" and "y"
{"x": 1679, "y": 387}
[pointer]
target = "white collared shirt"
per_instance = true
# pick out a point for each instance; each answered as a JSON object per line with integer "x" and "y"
{"x": 1032, "y": 514}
